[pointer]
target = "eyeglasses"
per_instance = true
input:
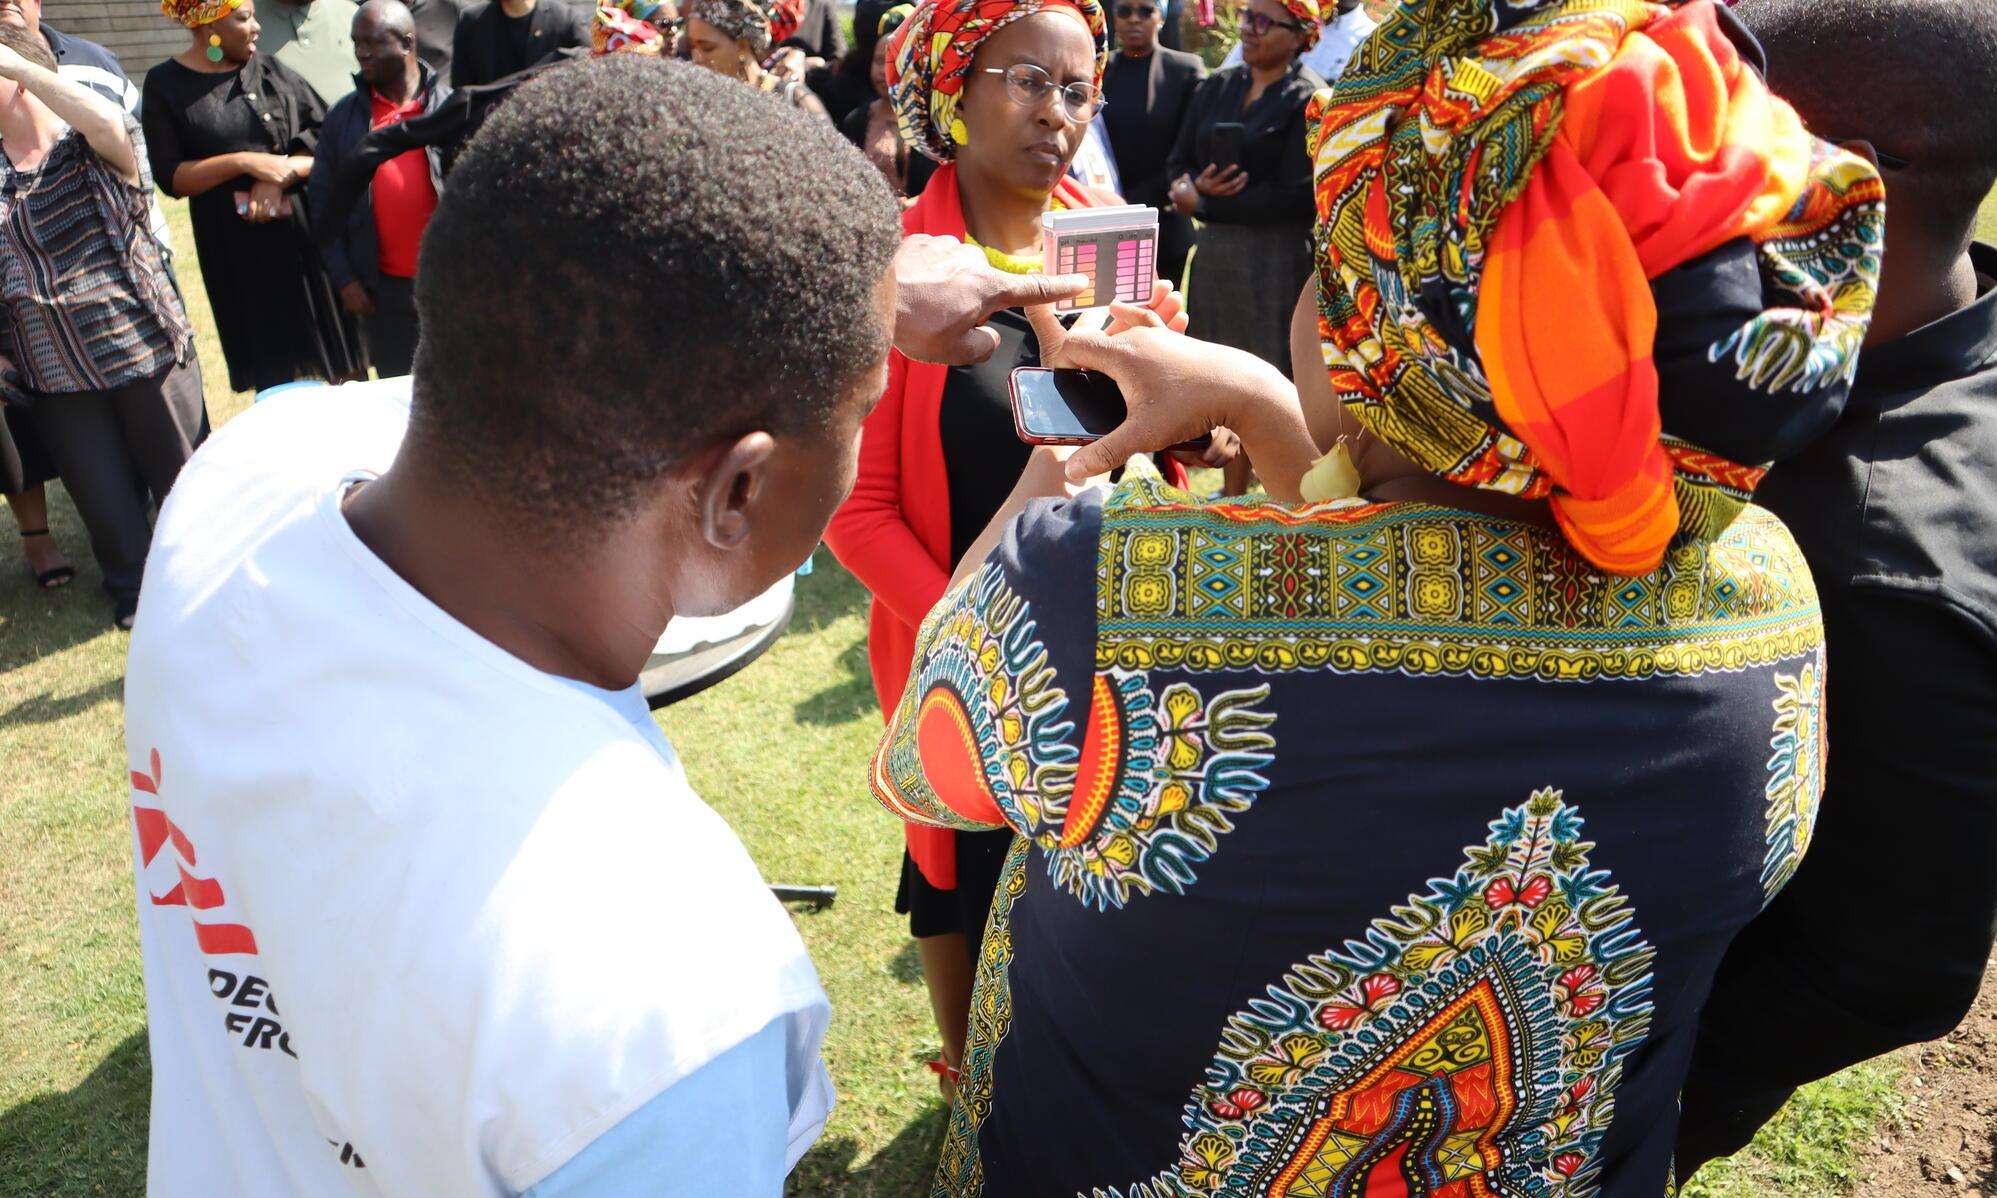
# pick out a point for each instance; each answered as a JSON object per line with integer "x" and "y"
{"x": 1258, "y": 24}
{"x": 1125, "y": 12}
{"x": 1029, "y": 85}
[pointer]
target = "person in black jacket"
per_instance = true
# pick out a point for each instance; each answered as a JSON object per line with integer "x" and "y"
{"x": 499, "y": 37}
{"x": 1149, "y": 90}
{"x": 371, "y": 255}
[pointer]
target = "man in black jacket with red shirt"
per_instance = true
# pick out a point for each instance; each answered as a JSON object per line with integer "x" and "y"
{"x": 1882, "y": 937}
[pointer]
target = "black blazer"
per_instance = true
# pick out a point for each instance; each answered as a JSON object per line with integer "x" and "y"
{"x": 479, "y": 53}
{"x": 1143, "y": 146}
{"x": 1273, "y": 153}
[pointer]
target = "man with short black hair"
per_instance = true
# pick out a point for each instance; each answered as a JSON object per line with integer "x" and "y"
{"x": 425, "y": 891}
{"x": 1882, "y": 937}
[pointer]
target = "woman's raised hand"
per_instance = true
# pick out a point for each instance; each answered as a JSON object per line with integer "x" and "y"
{"x": 1177, "y": 389}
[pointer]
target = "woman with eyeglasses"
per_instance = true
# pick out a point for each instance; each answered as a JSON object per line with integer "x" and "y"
{"x": 1242, "y": 170}
{"x": 1000, "y": 92}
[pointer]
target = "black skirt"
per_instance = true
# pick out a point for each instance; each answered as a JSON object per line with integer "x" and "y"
{"x": 936, "y": 912}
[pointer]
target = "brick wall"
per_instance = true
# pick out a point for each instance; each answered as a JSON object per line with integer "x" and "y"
{"x": 134, "y": 30}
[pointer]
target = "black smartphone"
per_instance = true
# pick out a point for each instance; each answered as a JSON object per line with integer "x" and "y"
{"x": 1069, "y": 407}
{"x": 1228, "y": 137}
{"x": 1064, "y": 407}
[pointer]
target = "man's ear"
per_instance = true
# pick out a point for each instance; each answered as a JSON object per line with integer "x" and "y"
{"x": 728, "y": 487}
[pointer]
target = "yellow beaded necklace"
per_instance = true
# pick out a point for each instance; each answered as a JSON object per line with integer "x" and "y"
{"x": 1014, "y": 264}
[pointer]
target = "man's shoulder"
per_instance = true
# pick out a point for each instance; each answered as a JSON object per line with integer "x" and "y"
{"x": 70, "y": 49}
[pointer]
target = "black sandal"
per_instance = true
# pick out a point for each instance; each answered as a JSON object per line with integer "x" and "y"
{"x": 54, "y": 577}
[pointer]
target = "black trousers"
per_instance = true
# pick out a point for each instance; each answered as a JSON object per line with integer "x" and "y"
{"x": 117, "y": 449}
{"x": 391, "y": 331}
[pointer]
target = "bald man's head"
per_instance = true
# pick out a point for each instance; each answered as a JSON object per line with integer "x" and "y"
{"x": 385, "y": 46}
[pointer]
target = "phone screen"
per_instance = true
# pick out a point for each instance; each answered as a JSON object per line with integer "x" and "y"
{"x": 1066, "y": 405}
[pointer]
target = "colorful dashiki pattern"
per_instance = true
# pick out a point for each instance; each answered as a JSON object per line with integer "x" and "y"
{"x": 1364, "y": 850}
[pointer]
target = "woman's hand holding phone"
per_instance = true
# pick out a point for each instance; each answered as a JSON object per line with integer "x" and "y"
{"x": 1178, "y": 389}
{"x": 1221, "y": 181}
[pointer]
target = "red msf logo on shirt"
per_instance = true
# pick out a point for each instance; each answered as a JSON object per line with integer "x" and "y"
{"x": 156, "y": 831}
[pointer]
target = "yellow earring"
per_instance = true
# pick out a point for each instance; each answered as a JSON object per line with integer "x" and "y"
{"x": 958, "y": 133}
{"x": 214, "y": 50}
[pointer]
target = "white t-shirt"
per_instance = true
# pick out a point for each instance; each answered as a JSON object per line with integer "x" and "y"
{"x": 417, "y": 918}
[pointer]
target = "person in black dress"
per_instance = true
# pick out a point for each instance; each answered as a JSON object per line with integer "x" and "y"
{"x": 1255, "y": 248}
{"x": 1150, "y": 89}
{"x": 233, "y": 131}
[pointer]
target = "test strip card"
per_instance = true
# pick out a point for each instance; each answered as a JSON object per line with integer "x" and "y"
{"x": 1115, "y": 247}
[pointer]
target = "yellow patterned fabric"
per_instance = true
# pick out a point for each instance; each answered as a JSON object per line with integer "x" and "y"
{"x": 1302, "y": 900}
{"x": 196, "y": 13}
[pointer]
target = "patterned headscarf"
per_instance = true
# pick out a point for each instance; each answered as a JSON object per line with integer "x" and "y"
{"x": 744, "y": 21}
{"x": 616, "y": 31}
{"x": 196, "y": 13}
{"x": 1576, "y": 250}
{"x": 929, "y": 60}
{"x": 1310, "y": 15}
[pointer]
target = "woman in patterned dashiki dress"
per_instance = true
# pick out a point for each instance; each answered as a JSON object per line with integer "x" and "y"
{"x": 1387, "y": 846}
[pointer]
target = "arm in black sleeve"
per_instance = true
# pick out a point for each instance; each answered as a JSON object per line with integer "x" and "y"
{"x": 1285, "y": 198}
{"x": 832, "y": 41}
{"x": 355, "y": 171}
{"x": 328, "y": 226}
{"x": 1184, "y": 158}
{"x": 162, "y": 129}
{"x": 1910, "y": 811}
{"x": 464, "y": 72}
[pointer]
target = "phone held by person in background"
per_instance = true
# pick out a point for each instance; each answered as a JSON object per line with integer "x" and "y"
{"x": 1068, "y": 407}
{"x": 1228, "y": 138}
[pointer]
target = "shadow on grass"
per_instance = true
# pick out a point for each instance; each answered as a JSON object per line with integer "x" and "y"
{"x": 827, "y": 594}
{"x": 904, "y": 1167}
{"x": 847, "y": 699}
{"x": 906, "y": 965}
{"x": 47, "y": 709}
{"x": 87, "y": 1141}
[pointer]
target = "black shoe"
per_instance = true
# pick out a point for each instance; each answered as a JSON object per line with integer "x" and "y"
{"x": 124, "y": 612}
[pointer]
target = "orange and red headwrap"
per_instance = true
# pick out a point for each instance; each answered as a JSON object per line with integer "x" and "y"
{"x": 929, "y": 60}
{"x": 1581, "y": 253}
{"x": 196, "y": 13}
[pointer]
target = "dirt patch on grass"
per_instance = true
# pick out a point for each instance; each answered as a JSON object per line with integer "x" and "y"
{"x": 1944, "y": 1140}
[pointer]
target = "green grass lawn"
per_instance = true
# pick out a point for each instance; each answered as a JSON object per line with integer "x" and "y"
{"x": 780, "y": 751}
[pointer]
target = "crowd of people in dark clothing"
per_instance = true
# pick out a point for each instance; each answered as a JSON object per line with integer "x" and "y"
{"x": 1516, "y": 310}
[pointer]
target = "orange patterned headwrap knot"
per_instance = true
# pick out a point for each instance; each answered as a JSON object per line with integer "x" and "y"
{"x": 1310, "y": 15}
{"x": 1577, "y": 251}
{"x": 929, "y": 60}
{"x": 196, "y": 13}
